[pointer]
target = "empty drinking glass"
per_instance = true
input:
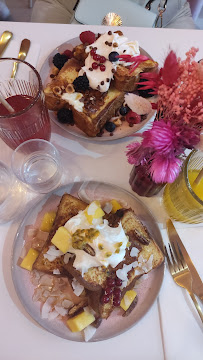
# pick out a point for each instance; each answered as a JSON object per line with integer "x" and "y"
{"x": 37, "y": 164}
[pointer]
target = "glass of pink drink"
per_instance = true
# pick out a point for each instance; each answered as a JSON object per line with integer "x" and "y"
{"x": 30, "y": 119}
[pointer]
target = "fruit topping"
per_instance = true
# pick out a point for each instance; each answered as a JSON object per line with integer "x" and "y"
{"x": 116, "y": 302}
{"x": 110, "y": 126}
{"x": 113, "y": 56}
{"x": 118, "y": 281}
{"x": 59, "y": 60}
{"x": 110, "y": 282}
{"x": 65, "y": 116}
{"x": 81, "y": 83}
{"x": 133, "y": 118}
{"x": 102, "y": 67}
{"x": 68, "y": 53}
{"x": 145, "y": 93}
{"x": 95, "y": 65}
{"x": 124, "y": 110}
{"x": 87, "y": 37}
{"x": 105, "y": 299}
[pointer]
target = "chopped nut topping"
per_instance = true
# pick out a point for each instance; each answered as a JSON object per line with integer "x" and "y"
{"x": 70, "y": 89}
{"x": 57, "y": 90}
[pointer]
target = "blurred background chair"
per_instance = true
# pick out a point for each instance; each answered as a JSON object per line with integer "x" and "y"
{"x": 177, "y": 14}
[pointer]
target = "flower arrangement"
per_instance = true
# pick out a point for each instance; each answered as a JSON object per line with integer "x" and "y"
{"x": 179, "y": 120}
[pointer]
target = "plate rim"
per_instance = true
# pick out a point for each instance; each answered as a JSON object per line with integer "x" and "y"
{"x": 42, "y": 201}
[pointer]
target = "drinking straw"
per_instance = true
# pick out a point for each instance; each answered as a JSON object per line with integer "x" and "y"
{"x": 198, "y": 178}
{"x": 6, "y": 104}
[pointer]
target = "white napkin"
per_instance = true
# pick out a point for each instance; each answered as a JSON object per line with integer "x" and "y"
{"x": 13, "y": 48}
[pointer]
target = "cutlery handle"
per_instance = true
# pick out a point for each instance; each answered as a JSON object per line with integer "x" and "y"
{"x": 15, "y": 65}
{"x": 196, "y": 305}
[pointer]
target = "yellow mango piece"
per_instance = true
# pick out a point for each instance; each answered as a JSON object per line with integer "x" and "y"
{"x": 62, "y": 239}
{"x": 128, "y": 299}
{"x": 47, "y": 221}
{"x": 80, "y": 321}
{"x": 115, "y": 205}
{"x": 29, "y": 259}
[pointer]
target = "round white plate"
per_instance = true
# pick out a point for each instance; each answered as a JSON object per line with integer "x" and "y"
{"x": 120, "y": 132}
{"x": 147, "y": 290}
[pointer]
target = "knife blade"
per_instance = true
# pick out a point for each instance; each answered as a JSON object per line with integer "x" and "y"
{"x": 24, "y": 48}
{"x": 197, "y": 284}
{"x": 4, "y": 40}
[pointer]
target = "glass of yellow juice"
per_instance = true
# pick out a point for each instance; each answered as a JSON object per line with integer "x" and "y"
{"x": 183, "y": 199}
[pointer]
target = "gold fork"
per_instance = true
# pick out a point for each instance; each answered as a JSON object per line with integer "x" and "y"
{"x": 181, "y": 273}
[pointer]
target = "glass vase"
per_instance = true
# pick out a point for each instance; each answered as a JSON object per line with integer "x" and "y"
{"x": 142, "y": 183}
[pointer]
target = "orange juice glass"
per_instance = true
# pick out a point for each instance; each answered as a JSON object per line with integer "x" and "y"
{"x": 183, "y": 199}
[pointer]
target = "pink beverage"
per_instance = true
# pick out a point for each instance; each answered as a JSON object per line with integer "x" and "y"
{"x": 30, "y": 119}
{"x": 33, "y": 123}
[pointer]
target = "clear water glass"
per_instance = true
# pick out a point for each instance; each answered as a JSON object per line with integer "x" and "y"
{"x": 37, "y": 164}
{"x": 13, "y": 195}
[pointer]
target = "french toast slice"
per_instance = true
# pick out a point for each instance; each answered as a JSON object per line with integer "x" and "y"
{"x": 125, "y": 80}
{"x": 58, "y": 84}
{"x": 98, "y": 110}
{"x": 68, "y": 207}
{"x": 139, "y": 238}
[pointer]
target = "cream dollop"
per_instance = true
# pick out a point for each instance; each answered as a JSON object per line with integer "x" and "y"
{"x": 109, "y": 246}
{"x": 74, "y": 100}
{"x": 104, "y": 45}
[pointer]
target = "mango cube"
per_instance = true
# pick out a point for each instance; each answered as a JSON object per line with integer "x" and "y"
{"x": 128, "y": 298}
{"x": 29, "y": 259}
{"x": 115, "y": 206}
{"x": 96, "y": 211}
{"x": 47, "y": 221}
{"x": 80, "y": 321}
{"x": 62, "y": 239}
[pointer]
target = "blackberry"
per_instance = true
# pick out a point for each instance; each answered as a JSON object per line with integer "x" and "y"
{"x": 59, "y": 60}
{"x": 124, "y": 110}
{"x": 144, "y": 93}
{"x": 110, "y": 126}
{"x": 65, "y": 116}
{"x": 81, "y": 83}
{"x": 113, "y": 56}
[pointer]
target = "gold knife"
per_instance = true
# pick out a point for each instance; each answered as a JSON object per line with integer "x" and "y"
{"x": 24, "y": 48}
{"x": 4, "y": 40}
{"x": 197, "y": 284}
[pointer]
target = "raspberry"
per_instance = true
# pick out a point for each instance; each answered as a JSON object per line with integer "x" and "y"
{"x": 65, "y": 116}
{"x": 87, "y": 37}
{"x": 133, "y": 118}
{"x": 81, "y": 83}
{"x": 59, "y": 60}
{"x": 68, "y": 53}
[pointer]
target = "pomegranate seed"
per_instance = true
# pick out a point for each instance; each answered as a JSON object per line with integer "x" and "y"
{"x": 93, "y": 51}
{"x": 118, "y": 282}
{"x": 96, "y": 57}
{"x": 102, "y": 67}
{"x": 95, "y": 65}
{"x": 108, "y": 291}
{"x": 105, "y": 299}
{"x": 117, "y": 293}
{"x": 102, "y": 59}
{"x": 110, "y": 282}
{"x": 116, "y": 302}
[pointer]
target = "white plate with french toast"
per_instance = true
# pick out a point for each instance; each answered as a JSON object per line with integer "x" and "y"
{"x": 56, "y": 294}
{"x": 103, "y": 117}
